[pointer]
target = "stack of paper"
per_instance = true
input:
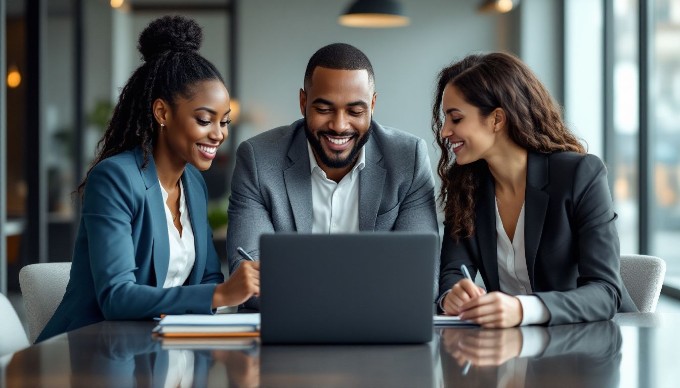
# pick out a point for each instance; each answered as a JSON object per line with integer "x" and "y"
{"x": 218, "y": 325}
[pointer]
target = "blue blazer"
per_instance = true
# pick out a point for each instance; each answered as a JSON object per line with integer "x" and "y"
{"x": 121, "y": 253}
{"x": 572, "y": 247}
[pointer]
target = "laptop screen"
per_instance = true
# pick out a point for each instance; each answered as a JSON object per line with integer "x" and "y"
{"x": 347, "y": 288}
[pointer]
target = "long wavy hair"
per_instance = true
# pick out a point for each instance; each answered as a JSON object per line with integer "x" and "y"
{"x": 172, "y": 66}
{"x": 534, "y": 120}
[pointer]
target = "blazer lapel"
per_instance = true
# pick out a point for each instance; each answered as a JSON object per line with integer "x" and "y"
{"x": 535, "y": 207}
{"x": 371, "y": 180}
{"x": 161, "y": 244}
{"x": 486, "y": 229}
{"x": 197, "y": 208}
{"x": 298, "y": 182}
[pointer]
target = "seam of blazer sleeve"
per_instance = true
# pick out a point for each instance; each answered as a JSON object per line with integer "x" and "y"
{"x": 415, "y": 175}
{"x": 597, "y": 170}
{"x": 256, "y": 174}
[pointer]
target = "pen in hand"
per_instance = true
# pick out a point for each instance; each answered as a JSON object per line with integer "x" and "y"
{"x": 244, "y": 254}
{"x": 466, "y": 368}
{"x": 466, "y": 273}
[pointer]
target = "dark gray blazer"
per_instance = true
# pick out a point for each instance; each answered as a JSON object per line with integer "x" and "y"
{"x": 271, "y": 189}
{"x": 572, "y": 247}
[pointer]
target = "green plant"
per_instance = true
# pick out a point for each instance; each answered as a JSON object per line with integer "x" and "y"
{"x": 101, "y": 114}
{"x": 217, "y": 213}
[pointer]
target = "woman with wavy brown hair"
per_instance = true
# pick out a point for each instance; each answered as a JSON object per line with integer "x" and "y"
{"x": 524, "y": 204}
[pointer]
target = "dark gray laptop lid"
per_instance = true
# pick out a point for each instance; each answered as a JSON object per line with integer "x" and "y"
{"x": 347, "y": 288}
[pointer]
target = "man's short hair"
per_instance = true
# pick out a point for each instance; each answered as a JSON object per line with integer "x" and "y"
{"x": 339, "y": 56}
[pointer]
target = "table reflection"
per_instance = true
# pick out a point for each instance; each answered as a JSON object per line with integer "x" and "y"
{"x": 347, "y": 366}
{"x": 117, "y": 355}
{"x": 125, "y": 356}
{"x": 584, "y": 355}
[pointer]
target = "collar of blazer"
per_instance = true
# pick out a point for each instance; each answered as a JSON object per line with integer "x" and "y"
{"x": 149, "y": 174}
{"x": 194, "y": 203}
{"x": 299, "y": 184}
{"x": 535, "y": 208}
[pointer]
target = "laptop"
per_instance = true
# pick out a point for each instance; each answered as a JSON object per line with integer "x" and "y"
{"x": 375, "y": 287}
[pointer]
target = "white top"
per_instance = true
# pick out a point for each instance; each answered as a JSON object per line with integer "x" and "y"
{"x": 180, "y": 369}
{"x": 513, "y": 274}
{"x": 335, "y": 206}
{"x": 182, "y": 248}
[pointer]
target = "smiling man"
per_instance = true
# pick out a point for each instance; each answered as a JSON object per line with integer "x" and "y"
{"x": 333, "y": 171}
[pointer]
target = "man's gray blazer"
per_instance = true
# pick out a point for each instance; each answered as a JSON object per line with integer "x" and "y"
{"x": 271, "y": 189}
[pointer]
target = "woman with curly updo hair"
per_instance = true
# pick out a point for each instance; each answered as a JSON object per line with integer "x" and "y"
{"x": 144, "y": 246}
{"x": 523, "y": 203}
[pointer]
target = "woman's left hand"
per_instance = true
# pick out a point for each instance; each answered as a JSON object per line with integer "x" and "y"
{"x": 493, "y": 310}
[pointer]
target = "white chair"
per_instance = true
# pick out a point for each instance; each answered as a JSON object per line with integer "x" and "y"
{"x": 43, "y": 287}
{"x": 12, "y": 334}
{"x": 643, "y": 277}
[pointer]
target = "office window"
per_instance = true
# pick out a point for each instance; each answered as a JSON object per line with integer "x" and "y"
{"x": 624, "y": 156}
{"x": 665, "y": 140}
{"x": 583, "y": 78}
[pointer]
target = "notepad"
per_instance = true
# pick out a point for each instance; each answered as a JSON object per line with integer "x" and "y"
{"x": 451, "y": 320}
{"x": 221, "y": 325}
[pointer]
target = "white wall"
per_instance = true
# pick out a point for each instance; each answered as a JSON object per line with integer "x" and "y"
{"x": 276, "y": 43}
{"x": 541, "y": 41}
{"x": 129, "y": 25}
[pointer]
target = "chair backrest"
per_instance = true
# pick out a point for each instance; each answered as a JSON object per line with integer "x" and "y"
{"x": 43, "y": 287}
{"x": 12, "y": 334}
{"x": 643, "y": 277}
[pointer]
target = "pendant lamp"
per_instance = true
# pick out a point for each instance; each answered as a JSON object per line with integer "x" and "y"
{"x": 374, "y": 14}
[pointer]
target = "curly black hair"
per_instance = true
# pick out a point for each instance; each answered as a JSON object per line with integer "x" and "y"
{"x": 172, "y": 65}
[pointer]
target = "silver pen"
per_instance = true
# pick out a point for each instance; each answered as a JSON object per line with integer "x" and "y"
{"x": 244, "y": 254}
{"x": 466, "y": 273}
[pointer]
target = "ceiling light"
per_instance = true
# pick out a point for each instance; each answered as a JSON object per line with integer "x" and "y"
{"x": 374, "y": 14}
{"x": 13, "y": 77}
{"x": 117, "y": 3}
{"x": 500, "y": 6}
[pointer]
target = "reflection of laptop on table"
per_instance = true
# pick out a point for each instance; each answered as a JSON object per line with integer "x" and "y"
{"x": 347, "y": 288}
{"x": 347, "y": 366}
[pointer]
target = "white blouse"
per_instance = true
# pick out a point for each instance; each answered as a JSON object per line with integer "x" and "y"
{"x": 182, "y": 249}
{"x": 513, "y": 275}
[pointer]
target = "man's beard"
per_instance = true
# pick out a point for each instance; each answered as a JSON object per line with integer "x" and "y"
{"x": 335, "y": 161}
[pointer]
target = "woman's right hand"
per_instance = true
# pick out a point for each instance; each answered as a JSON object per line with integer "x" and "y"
{"x": 461, "y": 292}
{"x": 483, "y": 347}
{"x": 243, "y": 284}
